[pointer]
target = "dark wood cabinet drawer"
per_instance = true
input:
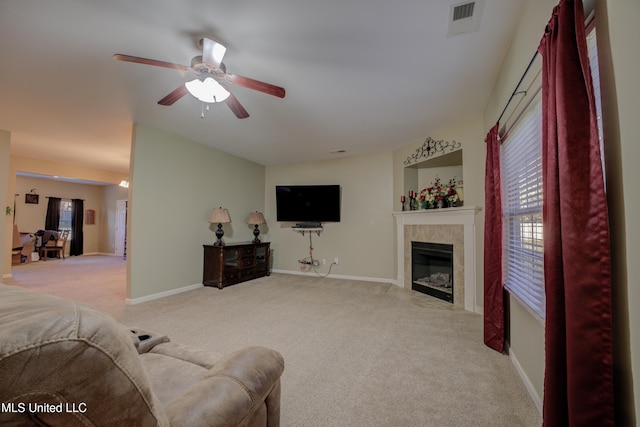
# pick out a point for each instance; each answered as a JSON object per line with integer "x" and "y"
{"x": 247, "y": 252}
{"x": 230, "y": 275}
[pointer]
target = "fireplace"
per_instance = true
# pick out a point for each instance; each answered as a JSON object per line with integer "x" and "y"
{"x": 432, "y": 269}
{"x": 453, "y": 226}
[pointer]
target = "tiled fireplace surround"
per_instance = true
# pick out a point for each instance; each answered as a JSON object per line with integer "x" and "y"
{"x": 453, "y": 226}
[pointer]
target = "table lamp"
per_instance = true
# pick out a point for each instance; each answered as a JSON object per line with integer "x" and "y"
{"x": 219, "y": 216}
{"x": 256, "y": 218}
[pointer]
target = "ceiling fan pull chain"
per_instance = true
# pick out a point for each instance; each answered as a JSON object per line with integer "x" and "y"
{"x": 202, "y": 112}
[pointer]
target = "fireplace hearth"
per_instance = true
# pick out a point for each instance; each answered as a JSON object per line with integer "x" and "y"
{"x": 432, "y": 269}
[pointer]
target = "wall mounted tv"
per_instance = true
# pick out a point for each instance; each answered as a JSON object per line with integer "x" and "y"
{"x": 308, "y": 203}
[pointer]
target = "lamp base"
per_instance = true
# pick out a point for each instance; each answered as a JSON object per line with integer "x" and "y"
{"x": 256, "y": 233}
{"x": 219, "y": 234}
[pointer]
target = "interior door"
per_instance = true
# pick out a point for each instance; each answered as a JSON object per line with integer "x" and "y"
{"x": 121, "y": 228}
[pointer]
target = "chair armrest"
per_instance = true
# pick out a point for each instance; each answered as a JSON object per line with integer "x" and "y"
{"x": 231, "y": 391}
{"x": 145, "y": 340}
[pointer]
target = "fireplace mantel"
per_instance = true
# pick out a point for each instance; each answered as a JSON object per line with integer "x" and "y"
{"x": 464, "y": 216}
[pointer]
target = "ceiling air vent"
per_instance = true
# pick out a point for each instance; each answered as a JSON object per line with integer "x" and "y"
{"x": 463, "y": 11}
{"x": 464, "y": 17}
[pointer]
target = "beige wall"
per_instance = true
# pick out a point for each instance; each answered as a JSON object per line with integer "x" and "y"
{"x": 618, "y": 35}
{"x": 6, "y": 231}
{"x": 470, "y": 132}
{"x": 363, "y": 239}
{"x": 175, "y": 184}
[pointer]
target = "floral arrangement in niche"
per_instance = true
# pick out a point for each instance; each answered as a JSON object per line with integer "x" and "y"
{"x": 439, "y": 195}
{"x": 452, "y": 194}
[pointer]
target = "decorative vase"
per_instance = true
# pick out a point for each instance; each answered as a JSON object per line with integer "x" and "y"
{"x": 440, "y": 204}
{"x": 452, "y": 203}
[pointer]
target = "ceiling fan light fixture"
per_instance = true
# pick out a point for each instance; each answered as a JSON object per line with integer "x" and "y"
{"x": 207, "y": 90}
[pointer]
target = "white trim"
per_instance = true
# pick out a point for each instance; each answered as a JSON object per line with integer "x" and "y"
{"x": 162, "y": 294}
{"x": 464, "y": 215}
{"x": 336, "y": 276}
{"x": 533, "y": 393}
{"x": 101, "y": 253}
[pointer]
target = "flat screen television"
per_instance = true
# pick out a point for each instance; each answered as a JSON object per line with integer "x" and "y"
{"x": 308, "y": 203}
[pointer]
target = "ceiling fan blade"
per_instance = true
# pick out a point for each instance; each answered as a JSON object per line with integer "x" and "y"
{"x": 174, "y": 96}
{"x": 212, "y": 53}
{"x": 137, "y": 59}
{"x": 236, "y": 107}
{"x": 255, "y": 85}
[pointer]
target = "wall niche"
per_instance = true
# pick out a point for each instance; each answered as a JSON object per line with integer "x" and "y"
{"x": 420, "y": 174}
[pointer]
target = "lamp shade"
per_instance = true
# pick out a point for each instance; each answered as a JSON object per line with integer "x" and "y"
{"x": 220, "y": 216}
{"x": 256, "y": 218}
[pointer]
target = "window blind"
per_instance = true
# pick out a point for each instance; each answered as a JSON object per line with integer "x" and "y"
{"x": 521, "y": 159}
{"x": 592, "y": 46}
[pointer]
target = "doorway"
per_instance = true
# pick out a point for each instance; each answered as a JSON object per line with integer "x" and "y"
{"x": 121, "y": 228}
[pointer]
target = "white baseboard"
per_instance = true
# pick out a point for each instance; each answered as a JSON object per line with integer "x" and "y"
{"x": 537, "y": 399}
{"x": 163, "y": 294}
{"x": 335, "y": 276}
{"x": 102, "y": 253}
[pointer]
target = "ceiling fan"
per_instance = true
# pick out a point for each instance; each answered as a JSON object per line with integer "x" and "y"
{"x": 211, "y": 78}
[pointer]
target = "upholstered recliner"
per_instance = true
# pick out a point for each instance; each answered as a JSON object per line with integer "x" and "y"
{"x": 63, "y": 363}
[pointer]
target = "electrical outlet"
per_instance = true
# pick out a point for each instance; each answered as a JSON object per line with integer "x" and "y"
{"x": 336, "y": 260}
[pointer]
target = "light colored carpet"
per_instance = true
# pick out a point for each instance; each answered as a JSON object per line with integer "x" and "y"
{"x": 356, "y": 353}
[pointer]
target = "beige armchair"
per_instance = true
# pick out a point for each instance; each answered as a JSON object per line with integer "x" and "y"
{"x": 63, "y": 363}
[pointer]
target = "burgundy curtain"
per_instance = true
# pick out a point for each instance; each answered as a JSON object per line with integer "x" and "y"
{"x": 493, "y": 292}
{"x": 578, "y": 384}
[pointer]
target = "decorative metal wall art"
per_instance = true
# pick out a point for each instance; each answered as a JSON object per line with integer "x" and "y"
{"x": 430, "y": 148}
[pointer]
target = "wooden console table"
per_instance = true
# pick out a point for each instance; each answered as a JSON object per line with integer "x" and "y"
{"x": 235, "y": 263}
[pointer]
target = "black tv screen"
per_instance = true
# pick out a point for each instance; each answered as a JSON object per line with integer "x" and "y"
{"x": 308, "y": 203}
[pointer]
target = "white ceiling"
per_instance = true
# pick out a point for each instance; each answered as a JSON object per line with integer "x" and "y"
{"x": 361, "y": 75}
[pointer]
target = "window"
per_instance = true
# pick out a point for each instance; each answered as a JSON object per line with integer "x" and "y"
{"x": 65, "y": 214}
{"x": 523, "y": 269}
{"x": 592, "y": 46}
{"x": 521, "y": 159}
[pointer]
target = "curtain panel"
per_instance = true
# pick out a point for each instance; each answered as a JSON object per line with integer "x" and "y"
{"x": 493, "y": 289}
{"x": 578, "y": 384}
{"x": 52, "y": 218}
{"x": 77, "y": 218}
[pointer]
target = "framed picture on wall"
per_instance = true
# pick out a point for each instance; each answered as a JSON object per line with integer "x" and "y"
{"x": 31, "y": 198}
{"x": 89, "y": 217}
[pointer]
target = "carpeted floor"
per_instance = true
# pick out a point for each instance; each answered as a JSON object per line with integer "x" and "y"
{"x": 356, "y": 353}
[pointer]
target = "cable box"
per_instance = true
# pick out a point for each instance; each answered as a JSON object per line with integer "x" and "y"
{"x": 309, "y": 225}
